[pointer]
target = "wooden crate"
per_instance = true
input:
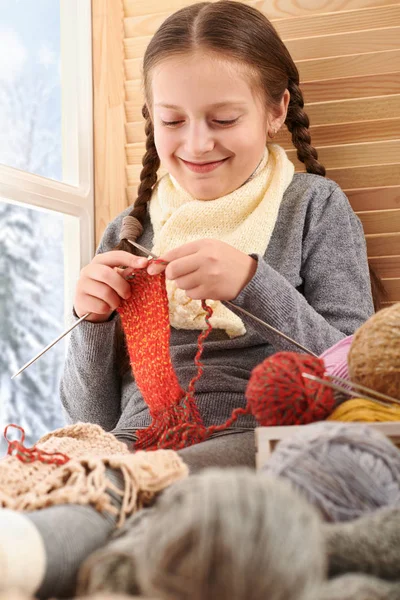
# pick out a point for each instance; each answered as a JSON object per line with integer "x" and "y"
{"x": 268, "y": 437}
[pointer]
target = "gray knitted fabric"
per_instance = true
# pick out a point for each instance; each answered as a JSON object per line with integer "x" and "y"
{"x": 312, "y": 284}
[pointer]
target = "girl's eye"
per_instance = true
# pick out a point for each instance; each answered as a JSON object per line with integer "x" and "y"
{"x": 170, "y": 123}
{"x": 226, "y": 123}
{"x": 223, "y": 123}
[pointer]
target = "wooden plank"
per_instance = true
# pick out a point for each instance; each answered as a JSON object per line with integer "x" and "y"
{"x": 354, "y": 42}
{"x": 314, "y": 47}
{"x": 326, "y": 113}
{"x": 338, "y": 22}
{"x": 133, "y": 174}
{"x": 380, "y": 221}
{"x": 134, "y": 92}
{"x": 345, "y": 133}
{"x": 325, "y": 68}
{"x": 386, "y": 266}
{"x": 376, "y": 198}
{"x": 351, "y": 87}
{"x": 392, "y": 286}
{"x": 135, "y": 132}
{"x": 366, "y": 177}
{"x": 267, "y": 438}
{"x": 133, "y": 68}
{"x": 134, "y": 153}
{"x": 339, "y": 66}
{"x": 356, "y": 155}
{"x": 331, "y": 157}
{"x": 143, "y": 25}
{"x": 375, "y": 176}
{"x": 135, "y": 46}
{"x": 349, "y": 111}
{"x": 386, "y": 244}
{"x": 288, "y": 28}
{"x": 322, "y": 135}
{"x": 108, "y": 113}
{"x": 275, "y": 9}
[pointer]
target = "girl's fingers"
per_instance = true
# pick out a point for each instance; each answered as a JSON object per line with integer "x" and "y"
{"x": 117, "y": 258}
{"x": 177, "y": 268}
{"x": 183, "y": 266}
{"x": 100, "y": 298}
{"x": 156, "y": 268}
{"x": 124, "y": 273}
{"x": 188, "y": 282}
{"x": 111, "y": 278}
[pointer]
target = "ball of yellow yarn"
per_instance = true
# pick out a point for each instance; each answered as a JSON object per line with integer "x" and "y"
{"x": 366, "y": 411}
{"x": 374, "y": 355}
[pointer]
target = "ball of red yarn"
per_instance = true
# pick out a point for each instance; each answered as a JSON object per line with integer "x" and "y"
{"x": 278, "y": 394}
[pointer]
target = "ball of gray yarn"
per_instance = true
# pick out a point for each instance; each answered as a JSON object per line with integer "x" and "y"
{"x": 345, "y": 469}
{"x": 232, "y": 535}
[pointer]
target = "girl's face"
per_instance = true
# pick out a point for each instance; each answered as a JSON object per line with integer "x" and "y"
{"x": 210, "y": 128}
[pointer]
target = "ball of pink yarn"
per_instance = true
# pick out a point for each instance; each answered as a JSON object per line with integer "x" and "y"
{"x": 335, "y": 358}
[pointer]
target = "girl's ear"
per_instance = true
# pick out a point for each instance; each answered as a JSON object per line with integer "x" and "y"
{"x": 278, "y": 115}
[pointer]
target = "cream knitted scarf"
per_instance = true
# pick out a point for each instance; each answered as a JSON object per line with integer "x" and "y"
{"x": 245, "y": 219}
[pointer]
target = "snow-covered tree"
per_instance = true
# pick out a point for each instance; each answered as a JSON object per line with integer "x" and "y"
{"x": 31, "y": 264}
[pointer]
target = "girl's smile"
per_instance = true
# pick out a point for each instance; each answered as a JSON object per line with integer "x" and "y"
{"x": 205, "y": 167}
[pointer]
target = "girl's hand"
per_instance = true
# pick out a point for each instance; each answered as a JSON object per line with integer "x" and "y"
{"x": 102, "y": 285}
{"x": 208, "y": 269}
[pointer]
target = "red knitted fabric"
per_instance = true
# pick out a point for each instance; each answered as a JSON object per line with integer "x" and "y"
{"x": 176, "y": 421}
{"x": 277, "y": 394}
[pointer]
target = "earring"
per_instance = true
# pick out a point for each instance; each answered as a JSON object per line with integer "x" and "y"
{"x": 272, "y": 133}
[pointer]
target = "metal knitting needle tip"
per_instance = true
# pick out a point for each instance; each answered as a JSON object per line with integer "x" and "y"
{"x": 50, "y": 345}
{"x": 73, "y": 326}
{"x": 340, "y": 388}
{"x": 143, "y": 249}
{"x": 363, "y": 388}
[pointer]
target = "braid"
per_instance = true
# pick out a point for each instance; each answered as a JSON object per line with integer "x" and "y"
{"x": 298, "y": 123}
{"x": 148, "y": 178}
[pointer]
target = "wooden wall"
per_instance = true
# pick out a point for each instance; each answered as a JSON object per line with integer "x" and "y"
{"x": 349, "y": 63}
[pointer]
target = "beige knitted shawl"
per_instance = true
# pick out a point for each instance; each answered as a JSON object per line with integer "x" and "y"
{"x": 245, "y": 219}
{"x": 83, "y": 479}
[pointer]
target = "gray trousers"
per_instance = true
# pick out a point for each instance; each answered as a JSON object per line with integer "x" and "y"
{"x": 233, "y": 447}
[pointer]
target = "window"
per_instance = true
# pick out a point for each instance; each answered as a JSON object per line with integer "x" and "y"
{"x": 46, "y": 197}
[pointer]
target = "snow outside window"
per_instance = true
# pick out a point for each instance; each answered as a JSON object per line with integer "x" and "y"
{"x": 46, "y": 198}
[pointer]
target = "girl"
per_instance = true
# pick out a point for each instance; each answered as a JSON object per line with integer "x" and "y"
{"x": 234, "y": 223}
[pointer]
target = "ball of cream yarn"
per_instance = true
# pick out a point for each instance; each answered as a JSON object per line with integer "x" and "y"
{"x": 374, "y": 356}
{"x": 232, "y": 535}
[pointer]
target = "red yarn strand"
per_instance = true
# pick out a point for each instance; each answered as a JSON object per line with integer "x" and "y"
{"x": 27, "y": 455}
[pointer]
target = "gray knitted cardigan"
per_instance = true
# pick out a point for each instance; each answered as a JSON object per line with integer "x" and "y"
{"x": 312, "y": 284}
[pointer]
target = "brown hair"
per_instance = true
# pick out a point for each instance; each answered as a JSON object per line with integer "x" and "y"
{"x": 243, "y": 34}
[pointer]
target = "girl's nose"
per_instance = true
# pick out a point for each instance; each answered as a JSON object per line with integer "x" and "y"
{"x": 200, "y": 140}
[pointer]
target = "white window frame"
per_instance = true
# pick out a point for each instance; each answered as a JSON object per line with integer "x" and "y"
{"x": 76, "y": 199}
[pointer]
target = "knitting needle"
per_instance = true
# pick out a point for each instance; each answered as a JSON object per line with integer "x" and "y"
{"x": 56, "y": 340}
{"x": 363, "y": 388}
{"x": 340, "y": 388}
{"x": 270, "y": 327}
{"x": 70, "y": 328}
{"x": 149, "y": 253}
{"x": 51, "y": 345}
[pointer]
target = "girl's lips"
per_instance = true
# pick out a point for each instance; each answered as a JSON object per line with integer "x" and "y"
{"x": 204, "y": 168}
